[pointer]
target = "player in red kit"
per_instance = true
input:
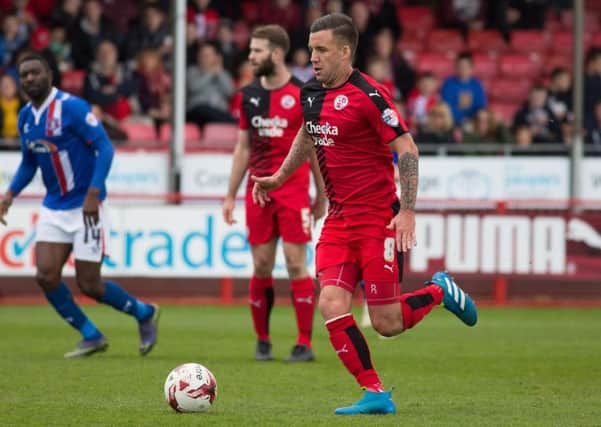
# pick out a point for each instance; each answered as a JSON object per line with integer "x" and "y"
{"x": 270, "y": 117}
{"x": 352, "y": 124}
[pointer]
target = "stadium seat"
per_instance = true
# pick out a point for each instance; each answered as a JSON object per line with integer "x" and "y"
{"x": 485, "y": 66}
{"x": 554, "y": 61}
{"x": 445, "y": 41}
{"x": 595, "y": 39}
{"x": 526, "y": 41}
{"x": 505, "y": 111}
{"x": 191, "y": 133}
{"x": 140, "y": 133}
{"x": 519, "y": 65}
{"x": 417, "y": 20}
{"x": 72, "y": 81}
{"x": 591, "y": 20}
{"x": 562, "y": 42}
{"x": 486, "y": 41}
{"x": 509, "y": 90}
{"x": 439, "y": 64}
{"x": 220, "y": 136}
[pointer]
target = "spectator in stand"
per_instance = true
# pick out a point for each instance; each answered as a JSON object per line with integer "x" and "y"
{"x": 463, "y": 92}
{"x": 192, "y": 44}
{"x": 151, "y": 31}
{"x": 124, "y": 13}
{"x": 26, "y": 15}
{"x": 229, "y": 49}
{"x": 507, "y": 15}
{"x": 379, "y": 70}
{"x": 154, "y": 85}
{"x": 463, "y": 15}
{"x": 593, "y": 129}
{"x": 421, "y": 99}
{"x": 60, "y": 47}
{"x": 298, "y": 38}
{"x": 362, "y": 19}
{"x": 111, "y": 126}
{"x": 205, "y": 18}
{"x": 301, "y": 67}
{"x": 523, "y": 139}
{"x": 384, "y": 15}
{"x": 13, "y": 38}
{"x": 286, "y": 13}
{"x": 484, "y": 128}
{"x": 245, "y": 75}
{"x": 384, "y": 47}
{"x": 438, "y": 127}
{"x": 209, "y": 88}
{"x": 10, "y": 103}
{"x": 592, "y": 85}
{"x": 108, "y": 84}
{"x": 92, "y": 28}
{"x": 538, "y": 117}
{"x": 67, "y": 13}
{"x": 560, "y": 94}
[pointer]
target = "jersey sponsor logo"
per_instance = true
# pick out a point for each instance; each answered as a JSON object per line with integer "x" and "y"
{"x": 287, "y": 101}
{"x": 41, "y": 146}
{"x": 269, "y": 126}
{"x": 255, "y": 100}
{"x": 340, "y": 102}
{"x": 91, "y": 119}
{"x": 321, "y": 133}
{"x": 310, "y": 100}
{"x": 390, "y": 117}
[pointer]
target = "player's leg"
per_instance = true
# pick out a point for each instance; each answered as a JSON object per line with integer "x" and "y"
{"x": 50, "y": 259}
{"x": 261, "y": 295}
{"x": 302, "y": 289}
{"x": 88, "y": 251}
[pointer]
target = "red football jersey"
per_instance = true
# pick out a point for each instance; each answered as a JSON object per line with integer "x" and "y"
{"x": 273, "y": 118}
{"x": 351, "y": 126}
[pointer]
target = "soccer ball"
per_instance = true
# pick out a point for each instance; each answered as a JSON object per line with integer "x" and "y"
{"x": 190, "y": 388}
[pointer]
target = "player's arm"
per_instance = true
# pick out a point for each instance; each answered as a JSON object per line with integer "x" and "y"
{"x": 90, "y": 131}
{"x": 23, "y": 176}
{"x": 318, "y": 208}
{"x": 404, "y": 221}
{"x": 299, "y": 151}
{"x": 239, "y": 167}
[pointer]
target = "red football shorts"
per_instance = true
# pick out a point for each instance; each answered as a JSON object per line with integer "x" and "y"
{"x": 277, "y": 220}
{"x": 346, "y": 256}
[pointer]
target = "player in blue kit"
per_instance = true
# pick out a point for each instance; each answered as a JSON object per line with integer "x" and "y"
{"x": 60, "y": 135}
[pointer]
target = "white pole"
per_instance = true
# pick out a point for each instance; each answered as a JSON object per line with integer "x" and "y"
{"x": 179, "y": 92}
{"x": 577, "y": 143}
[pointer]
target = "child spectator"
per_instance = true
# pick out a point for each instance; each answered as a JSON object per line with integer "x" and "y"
{"x": 10, "y": 103}
{"x": 538, "y": 117}
{"x": 422, "y": 99}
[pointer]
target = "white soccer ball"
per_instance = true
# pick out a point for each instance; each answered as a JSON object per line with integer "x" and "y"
{"x": 190, "y": 388}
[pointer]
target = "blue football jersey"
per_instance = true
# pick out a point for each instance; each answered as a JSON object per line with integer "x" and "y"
{"x": 64, "y": 138}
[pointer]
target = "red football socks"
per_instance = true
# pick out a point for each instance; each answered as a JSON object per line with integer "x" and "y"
{"x": 261, "y": 302}
{"x": 351, "y": 347}
{"x": 303, "y": 300}
{"x": 416, "y": 305}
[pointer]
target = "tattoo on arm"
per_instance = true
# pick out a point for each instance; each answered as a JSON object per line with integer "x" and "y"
{"x": 299, "y": 151}
{"x": 408, "y": 173}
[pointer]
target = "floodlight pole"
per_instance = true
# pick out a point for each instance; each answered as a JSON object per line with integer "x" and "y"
{"x": 578, "y": 78}
{"x": 178, "y": 119}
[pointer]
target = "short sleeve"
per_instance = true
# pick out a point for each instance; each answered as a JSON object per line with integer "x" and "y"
{"x": 385, "y": 117}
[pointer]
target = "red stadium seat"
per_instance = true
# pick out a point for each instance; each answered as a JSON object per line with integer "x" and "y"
{"x": 591, "y": 20}
{"x": 520, "y": 65}
{"x": 554, "y": 61}
{"x": 485, "y": 66}
{"x": 191, "y": 133}
{"x": 562, "y": 42}
{"x": 509, "y": 90}
{"x": 220, "y": 136}
{"x": 140, "y": 132}
{"x": 439, "y": 64}
{"x": 505, "y": 111}
{"x": 526, "y": 41}
{"x": 486, "y": 41}
{"x": 595, "y": 40}
{"x": 445, "y": 41}
{"x": 72, "y": 81}
{"x": 416, "y": 20}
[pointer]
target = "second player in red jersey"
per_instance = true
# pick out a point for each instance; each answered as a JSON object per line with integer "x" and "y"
{"x": 352, "y": 124}
{"x": 270, "y": 118}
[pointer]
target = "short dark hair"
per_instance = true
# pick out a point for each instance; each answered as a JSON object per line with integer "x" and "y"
{"x": 34, "y": 56}
{"x": 274, "y": 34}
{"x": 465, "y": 55}
{"x": 557, "y": 71}
{"x": 342, "y": 27}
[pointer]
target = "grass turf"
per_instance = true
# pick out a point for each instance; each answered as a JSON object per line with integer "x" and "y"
{"x": 517, "y": 367}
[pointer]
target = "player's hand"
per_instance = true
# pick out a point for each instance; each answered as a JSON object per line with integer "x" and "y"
{"x": 318, "y": 208}
{"x": 404, "y": 224}
{"x": 90, "y": 207}
{"x": 263, "y": 185}
{"x": 5, "y": 203}
{"x": 228, "y": 210}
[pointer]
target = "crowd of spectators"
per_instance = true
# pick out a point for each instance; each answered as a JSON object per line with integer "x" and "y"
{"x": 117, "y": 55}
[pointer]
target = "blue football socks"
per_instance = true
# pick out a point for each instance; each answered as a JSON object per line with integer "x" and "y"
{"x": 116, "y": 297}
{"x": 64, "y": 304}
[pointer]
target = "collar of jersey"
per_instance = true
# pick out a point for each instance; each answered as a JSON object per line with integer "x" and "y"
{"x": 37, "y": 114}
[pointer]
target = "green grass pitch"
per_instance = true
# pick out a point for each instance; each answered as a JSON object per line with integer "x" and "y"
{"x": 517, "y": 367}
